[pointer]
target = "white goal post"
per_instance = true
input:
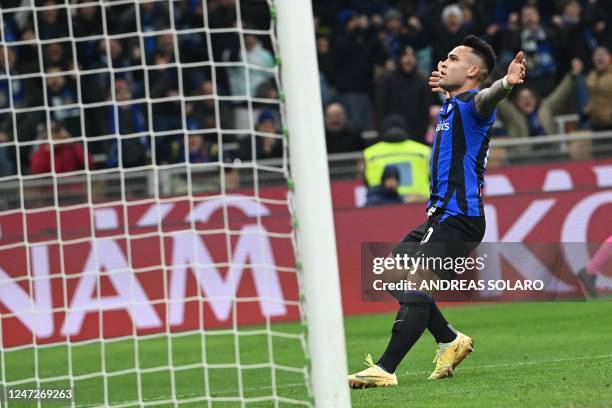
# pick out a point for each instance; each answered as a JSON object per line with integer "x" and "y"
{"x": 316, "y": 237}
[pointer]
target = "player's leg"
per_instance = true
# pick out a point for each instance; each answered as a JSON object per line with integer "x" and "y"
{"x": 588, "y": 274}
{"x": 410, "y": 323}
{"x": 463, "y": 235}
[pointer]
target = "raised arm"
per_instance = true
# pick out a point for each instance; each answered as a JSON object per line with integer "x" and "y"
{"x": 487, "y": 99}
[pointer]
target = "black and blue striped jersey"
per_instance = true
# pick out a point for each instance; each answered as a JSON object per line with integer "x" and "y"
{"x": 459, "y": 157}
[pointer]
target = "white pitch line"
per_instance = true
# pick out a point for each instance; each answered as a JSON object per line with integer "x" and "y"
{"x": 406, "y": 374}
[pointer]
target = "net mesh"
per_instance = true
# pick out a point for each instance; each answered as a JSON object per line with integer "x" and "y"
{"x": 147, "y": 249}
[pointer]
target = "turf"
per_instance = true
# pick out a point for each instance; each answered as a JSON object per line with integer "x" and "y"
{"x": 527, "y": 355}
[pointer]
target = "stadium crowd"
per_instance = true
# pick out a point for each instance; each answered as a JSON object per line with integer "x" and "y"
{"x": 121, "y": 90}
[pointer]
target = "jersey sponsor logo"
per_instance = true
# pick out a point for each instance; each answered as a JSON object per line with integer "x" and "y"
{"x": 442, "y": 126}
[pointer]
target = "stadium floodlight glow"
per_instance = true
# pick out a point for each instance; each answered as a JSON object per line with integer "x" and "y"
{"x": 169, "y": 281}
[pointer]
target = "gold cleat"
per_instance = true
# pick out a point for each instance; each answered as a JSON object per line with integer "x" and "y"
{"x": 449, "y": 358}
{"x": 373, "y": 376}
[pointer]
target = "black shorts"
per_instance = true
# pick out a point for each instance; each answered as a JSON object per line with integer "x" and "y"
{"x": 455, "y": 236}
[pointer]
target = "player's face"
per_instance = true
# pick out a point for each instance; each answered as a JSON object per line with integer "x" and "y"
{"x": 454, "y": 70}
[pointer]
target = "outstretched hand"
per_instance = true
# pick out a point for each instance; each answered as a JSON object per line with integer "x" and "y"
{"x": 517, "y": 69}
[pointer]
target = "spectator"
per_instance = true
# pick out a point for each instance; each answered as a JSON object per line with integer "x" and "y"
{"x": 88, "y": 23}
{"x": 325, "y": 60}
{"x": 404, "y": 92}
{"x": 448, "y": 35}
{"x": 199, "y": 150}
{"x": 7, "y": 153}
{"x": 386, "y": 192}
{"x": 55, "y": 55}
{"x": 16, "y": 85}
{"x": 25, "y": 93}
{"x": 357, "y": 51}
{"x": 598, "y": 17}
{"x": 68, "y": 156}
{"x": 256, "y": 56}
{"x": 474, "y": 20}
{"x": 266, "y": 147}
{"x": 340, "y": 137}
{"x": 127, "y": 120}
{"x": 540, "y": 45}
{"x": 410, "y": 157}
{"x": 6, "y": 156}
{"x": 61, "y": 91}
{"x": 572, "y": 30}
{"x": 52, "y": 22}
{"x": 394, "y": 39}
{"x": 201, "y": 112}
{"x": 28, "y": 53}
{"x": 527, "y": 115}
{"x": 599, "y": 83}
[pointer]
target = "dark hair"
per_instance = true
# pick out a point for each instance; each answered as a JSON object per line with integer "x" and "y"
{"x": 483, "y": 49}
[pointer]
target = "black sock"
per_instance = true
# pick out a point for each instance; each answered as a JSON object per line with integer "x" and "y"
{"x": 409, "y": 325}
{"x": 439, "y": 327}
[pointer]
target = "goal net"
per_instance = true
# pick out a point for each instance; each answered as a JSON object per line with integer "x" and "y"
{"x": 147, "y": 248}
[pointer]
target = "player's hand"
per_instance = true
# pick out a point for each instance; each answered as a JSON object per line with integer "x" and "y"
{"x": 517, "y": 69}
{"x": 434, "y": 79}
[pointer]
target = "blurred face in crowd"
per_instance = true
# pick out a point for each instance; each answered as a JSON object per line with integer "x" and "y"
{"x": 55, "y": 83}
{"x": 267, "y": 126}
{"x": 196, "y": 142}
{"x": 12, "y": 57}
{"x": 526, "y": 101}
{"x": 530, "y": 17}
{"x": 250, "y": 41}
{"x": 116, "y": 49}
{"x": 49, "y": 16}
{"x": 87, "y": 12}
{"x": 58, "y": 132}
{"x": 335, "y": 117}
{"x": 322, "y": 45}
{"x": 453, "y": 22}
{"x": 352, "y": 23}
{"x": 601, "y": 58}
{"x": 54, "y": 53}
{"x": 122, "y": 91}
{"x": 460, "y": 65}
{"x": 207, "y": 89}
{"x": 391, "y": 183}
{"x": 408, "y": 60}
{"x": 393, "y": 25}
{"x": 148, "y": 7}
{"x": 571, "y": 11}
{"x": 468, "y": 16}
{"x": 165, "y": 44}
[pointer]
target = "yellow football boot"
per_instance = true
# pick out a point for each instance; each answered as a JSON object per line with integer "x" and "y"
{"x": 373, "y": 376}
{"x": 448, "y": 358}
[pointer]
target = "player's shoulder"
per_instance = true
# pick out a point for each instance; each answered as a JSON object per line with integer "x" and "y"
{"x": 467, "y": 104}
{"x": 467, "y": 97}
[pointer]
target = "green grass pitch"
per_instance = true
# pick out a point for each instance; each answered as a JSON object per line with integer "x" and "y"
{"x": 526, "y": 355}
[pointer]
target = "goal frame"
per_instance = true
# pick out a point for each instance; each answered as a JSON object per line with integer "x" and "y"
{"x": 313, "y": 204}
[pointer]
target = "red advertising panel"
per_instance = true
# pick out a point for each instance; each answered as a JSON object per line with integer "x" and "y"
{"x": 178, "y": 265}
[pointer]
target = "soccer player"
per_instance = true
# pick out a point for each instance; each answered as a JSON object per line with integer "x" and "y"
{"x": 455, "y": 208}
